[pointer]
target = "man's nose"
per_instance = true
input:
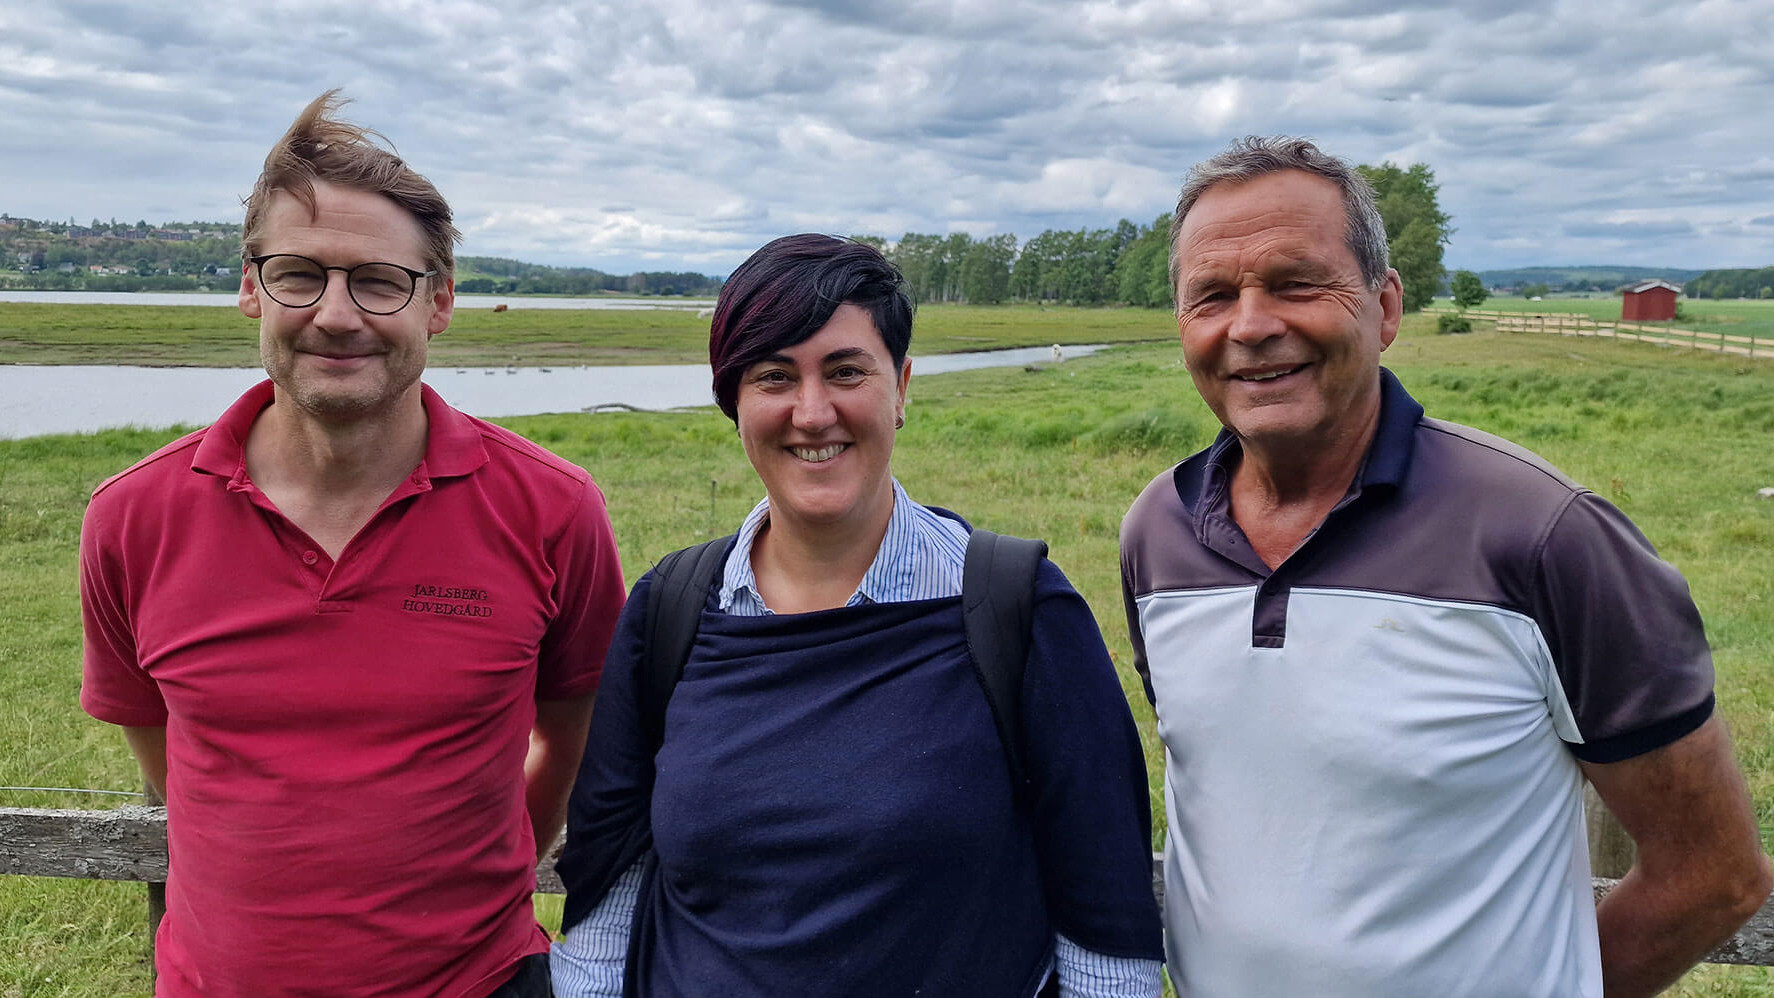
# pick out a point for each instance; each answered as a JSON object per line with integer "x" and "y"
{"x": 335, "y": 307}
{"x": 1255, "y": 318}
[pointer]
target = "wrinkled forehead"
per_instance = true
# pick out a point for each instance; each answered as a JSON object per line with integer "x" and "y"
{"x": 1273, "y": 218}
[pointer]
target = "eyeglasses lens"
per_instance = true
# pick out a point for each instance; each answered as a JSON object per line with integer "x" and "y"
{"x": 378, "y": 287}
{"x": 297, "y": 282}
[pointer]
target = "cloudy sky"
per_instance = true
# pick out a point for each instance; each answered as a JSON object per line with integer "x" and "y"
{"x": 676, "y": 134}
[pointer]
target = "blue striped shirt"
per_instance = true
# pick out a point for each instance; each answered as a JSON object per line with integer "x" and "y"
{"x": 921, "y": 557}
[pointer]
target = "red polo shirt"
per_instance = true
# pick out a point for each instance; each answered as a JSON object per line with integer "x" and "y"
{"x": 345, "y": 740}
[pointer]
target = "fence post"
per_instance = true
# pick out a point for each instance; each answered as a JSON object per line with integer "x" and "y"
{"x": 156, "y": 893}
{"x": 1611, "y": 850}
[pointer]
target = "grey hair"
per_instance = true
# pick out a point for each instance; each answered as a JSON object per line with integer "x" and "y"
{"x": 1258, "y": 155}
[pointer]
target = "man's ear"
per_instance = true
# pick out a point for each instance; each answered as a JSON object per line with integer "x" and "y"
{"x": 250, "y": 306}
{"x": 443, "y": 305}
{"x": 1391, "y": 308}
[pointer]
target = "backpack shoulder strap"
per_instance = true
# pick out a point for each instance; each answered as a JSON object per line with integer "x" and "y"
{"x": 998, "y": 610}
{"x": 674, "y": 607}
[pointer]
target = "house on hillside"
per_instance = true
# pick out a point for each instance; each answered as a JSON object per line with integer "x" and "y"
{"x": 1648, "y": 301}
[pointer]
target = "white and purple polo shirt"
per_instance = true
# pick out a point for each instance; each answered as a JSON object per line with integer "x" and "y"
{"x": 1371, "y": 752}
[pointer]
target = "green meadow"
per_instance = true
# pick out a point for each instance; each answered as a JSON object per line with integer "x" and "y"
{"x": 1731, "y": 317}
{"x": 1680, "y": 440}
{"x": 207, "y": 336}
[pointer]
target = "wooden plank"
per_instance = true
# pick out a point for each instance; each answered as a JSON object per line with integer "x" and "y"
{"x": 129, "y": 843}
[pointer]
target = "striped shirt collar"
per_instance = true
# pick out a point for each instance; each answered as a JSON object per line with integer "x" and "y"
{"x": 920, "y": 557}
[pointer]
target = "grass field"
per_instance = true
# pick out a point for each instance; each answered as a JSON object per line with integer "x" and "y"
{"x": 1731, "y": 317}
{"x": 202, "y": 336}
{"x": 1681, "y": 441}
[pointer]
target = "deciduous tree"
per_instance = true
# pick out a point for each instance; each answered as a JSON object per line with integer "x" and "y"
{"x": 1416, "y": 227}
{"x": 1469, "y": 290}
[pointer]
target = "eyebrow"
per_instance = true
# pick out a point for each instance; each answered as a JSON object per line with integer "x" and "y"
{"x": 845, "y": 353}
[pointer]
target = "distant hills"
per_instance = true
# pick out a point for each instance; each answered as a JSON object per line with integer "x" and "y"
{"x": 1590, "y": 278}
{"x": 205, "y": 256}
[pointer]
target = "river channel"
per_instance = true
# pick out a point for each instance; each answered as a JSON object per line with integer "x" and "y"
{"x": 35, "y": 400}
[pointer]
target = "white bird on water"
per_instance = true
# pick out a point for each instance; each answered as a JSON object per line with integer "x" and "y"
{"x": 1058, "y": 354}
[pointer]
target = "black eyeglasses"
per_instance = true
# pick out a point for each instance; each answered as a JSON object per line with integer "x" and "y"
{"x": 298, "y": 282}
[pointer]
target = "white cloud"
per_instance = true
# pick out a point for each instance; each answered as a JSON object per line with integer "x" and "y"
{"x": 684, "y": 133}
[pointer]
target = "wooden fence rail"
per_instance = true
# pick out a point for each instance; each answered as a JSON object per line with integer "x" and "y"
{"x": 129, "y": 843}
{"x": 1577, "y": 324}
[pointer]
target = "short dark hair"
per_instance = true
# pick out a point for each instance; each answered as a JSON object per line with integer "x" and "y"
{"x": 320, "y": 146}
{"x": 1258, "y": 155}
{"x": 787, "y": 291}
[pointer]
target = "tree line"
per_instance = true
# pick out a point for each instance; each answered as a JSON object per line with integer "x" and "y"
{"x": 1126, "y": 264}
{"x": 1129, "y": 264}
{"x": 495, "y": 275}
{"x": 1737, "y": 283}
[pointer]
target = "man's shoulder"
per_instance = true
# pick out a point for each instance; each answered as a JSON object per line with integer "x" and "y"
{"x": 1161, "y": 501}
{"x": 1471, "y": 459}
{"x": 524, "y": 457}
{"x": 150, "y": 476}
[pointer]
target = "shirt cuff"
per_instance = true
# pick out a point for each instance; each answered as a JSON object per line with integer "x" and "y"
{"x": 1083, "y": 974}
{"x": 590, "y": 961}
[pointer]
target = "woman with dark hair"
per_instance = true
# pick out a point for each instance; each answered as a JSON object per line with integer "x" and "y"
{"x": 821, "y": 805}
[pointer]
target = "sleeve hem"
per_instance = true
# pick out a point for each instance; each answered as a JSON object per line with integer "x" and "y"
{"x": 114, "y": 713}
{"x": 1646, "y": 739}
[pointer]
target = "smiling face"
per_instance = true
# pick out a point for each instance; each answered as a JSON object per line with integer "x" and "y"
{"x": 1280, "y": 332}
{"x": 333, "y": 361}
{"x": 818, "y": 420}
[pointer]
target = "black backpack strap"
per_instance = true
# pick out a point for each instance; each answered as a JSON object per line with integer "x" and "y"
{"x": 998, "y": 610}
{"x": 674, "y": 608}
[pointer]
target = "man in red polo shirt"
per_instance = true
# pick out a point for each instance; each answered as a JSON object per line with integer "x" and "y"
{"x": 352, "y": 634}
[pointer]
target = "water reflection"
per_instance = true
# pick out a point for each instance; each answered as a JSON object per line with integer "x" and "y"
{"x": 36, "y": 400}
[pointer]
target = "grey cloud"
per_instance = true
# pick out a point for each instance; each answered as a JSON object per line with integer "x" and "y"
{"x": 1630, "y": 230}
{"x": 1557, "y": 133}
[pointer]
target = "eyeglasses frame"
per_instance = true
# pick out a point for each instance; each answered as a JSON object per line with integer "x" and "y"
{"x": 326, "y": 279}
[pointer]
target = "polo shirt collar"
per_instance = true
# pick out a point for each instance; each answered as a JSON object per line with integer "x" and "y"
{"x": 1387, "y": 460}
{"x": 453, "y": 444}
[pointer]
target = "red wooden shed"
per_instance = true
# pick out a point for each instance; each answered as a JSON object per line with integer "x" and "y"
{"x": 1648, "y": 301}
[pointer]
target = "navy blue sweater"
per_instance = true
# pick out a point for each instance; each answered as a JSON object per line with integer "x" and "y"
{"x": 831, "y": 811}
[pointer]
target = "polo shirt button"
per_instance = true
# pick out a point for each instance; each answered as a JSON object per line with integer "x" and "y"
{"x": 309, "y": 557}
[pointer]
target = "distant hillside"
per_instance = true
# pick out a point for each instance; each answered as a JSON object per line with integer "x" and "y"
{"x": 1592, "y": 278}
{"x": 1740, "y": 283}
{"x": 192, "y": 256}
{"x": 502, "y": 276}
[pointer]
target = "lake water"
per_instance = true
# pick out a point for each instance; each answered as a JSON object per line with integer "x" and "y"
{"x": 35, "y": 400}
{"x": 462, "y": 301}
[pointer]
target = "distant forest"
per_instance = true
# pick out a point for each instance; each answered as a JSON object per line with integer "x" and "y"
{"x": 205, "y": 256}
{"x": 1599, "y": 277}
{"x": 1758, "y": 283}
{"x": 1123, "y": 265}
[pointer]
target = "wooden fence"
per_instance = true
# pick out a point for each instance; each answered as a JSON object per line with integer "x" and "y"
{"x": 1573, "y": 324}
{"x": 129, "y": 843}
